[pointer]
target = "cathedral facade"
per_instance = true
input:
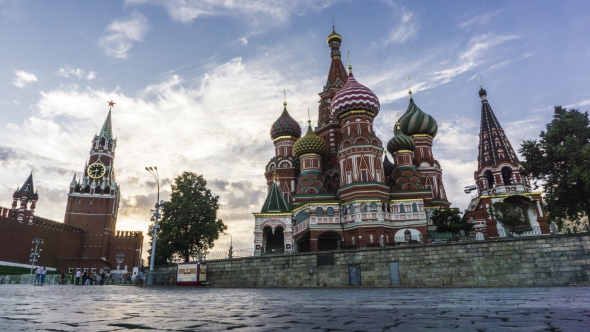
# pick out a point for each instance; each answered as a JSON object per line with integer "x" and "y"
{"x": 336, "y": 187}
{"x": 87, "y": 239}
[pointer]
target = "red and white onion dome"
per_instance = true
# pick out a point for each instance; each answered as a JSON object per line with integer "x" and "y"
{"x": 354, "y": 97}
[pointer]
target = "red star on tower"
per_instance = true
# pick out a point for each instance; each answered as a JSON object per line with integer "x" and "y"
{"x": 111, "y": 103}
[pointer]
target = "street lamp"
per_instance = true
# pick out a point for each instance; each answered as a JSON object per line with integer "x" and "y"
{"x": 120, "y": 256}
{"x": 35, "y": 254}
{"x": 231, "y": 245}
{"x": 155, "y": 217}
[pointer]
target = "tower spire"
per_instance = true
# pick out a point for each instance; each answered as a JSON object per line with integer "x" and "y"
{"x": 107, "y": 127}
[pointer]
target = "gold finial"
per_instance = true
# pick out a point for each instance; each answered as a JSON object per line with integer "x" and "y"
{"x": 409, "y": 86}
{"x": 285, "y": 98}
{"x": 479, "y": 80}
{"x": 275, "y": 176}
{"x": 308, "y": 117}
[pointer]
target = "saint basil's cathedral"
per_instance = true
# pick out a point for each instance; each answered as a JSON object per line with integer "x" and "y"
{"x": 335, "y": 187}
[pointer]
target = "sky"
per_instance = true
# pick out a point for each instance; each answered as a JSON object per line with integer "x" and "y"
{"x": 198, "y": 84}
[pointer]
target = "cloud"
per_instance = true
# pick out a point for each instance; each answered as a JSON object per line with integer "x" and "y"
{"x": 120, "y": 35}
{"x": 76, "y": 73}
{"x": 479, "y": 19}
{"x": 22, "y": 78}
{"x": 243, "y": 40}
{"x": 406, "y": 29}
{"x": 273, "y": 12}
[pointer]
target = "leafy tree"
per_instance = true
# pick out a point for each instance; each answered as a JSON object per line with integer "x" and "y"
{"x": 561, "y": 160}
{"x": 510, "y": 216}
{"x": 189, "y": 224}
{"x": 450, "y": 221}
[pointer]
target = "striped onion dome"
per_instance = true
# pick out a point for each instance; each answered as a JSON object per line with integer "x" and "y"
{"x": 285, "y": 126}
{"x": 354, "y": 97}
{"x": 310, "y": 143}
{"x": 400, "y": 142}
{"x": 416, "y": 122}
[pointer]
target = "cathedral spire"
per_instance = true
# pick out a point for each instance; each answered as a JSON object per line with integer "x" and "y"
{"x": 28, "y": 185}
{"x": 337, "y": 77}
{"x": 494, "y": 147}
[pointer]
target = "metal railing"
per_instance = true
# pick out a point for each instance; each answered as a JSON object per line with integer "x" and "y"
{"x": 531, "y": 231}
{"x": 23, "y": 279}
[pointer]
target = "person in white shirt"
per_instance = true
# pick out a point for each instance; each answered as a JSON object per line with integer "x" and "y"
{"x": 78, "y": 274}
{"x": 43, "y": 273}
{"x": 37, "y": 276}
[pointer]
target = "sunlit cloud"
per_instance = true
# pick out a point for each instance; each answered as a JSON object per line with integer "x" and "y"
{"x": 120, "y": 35}
{"x": 77, "y": 73}
{"x": 23, "y": 78}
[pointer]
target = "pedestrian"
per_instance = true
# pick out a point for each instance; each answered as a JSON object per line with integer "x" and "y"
{"x": 84, "y": 277}
{"x": 62, "y": 278}
{"x": 7, "y": 280}
{"x": 0, "y": 279}
{"x": 142, "y": 278}
{"x": 43, "y": 273}
{"x": 37, "y": 276}
{"x": 88, "y": 279}
{"x": 78, "y": 274}
{"x": 102, "y": 276}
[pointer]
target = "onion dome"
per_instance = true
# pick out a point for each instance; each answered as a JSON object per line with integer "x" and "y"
{"x": 334, "y": 37}
{"x": 416, "y": 122}
{"x": 388, "y": 166}
{"x": 400, "y": 142}
{"x": 354, "y": 97}
{"x": 285, "y": 126}
{"x": 482, "y": 92}
{"x": 310, "y": 143}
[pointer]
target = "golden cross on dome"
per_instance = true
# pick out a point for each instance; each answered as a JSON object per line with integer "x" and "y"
{"x": 479, "y": 80}
{"x": 308, "y": 117}
{"x": 111, "y": 103}
{"x": 409, "y": 86}
{"x": 285, "y": 97}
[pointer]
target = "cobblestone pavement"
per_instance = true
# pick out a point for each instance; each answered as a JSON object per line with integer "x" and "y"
{"x": 118, "y": 308}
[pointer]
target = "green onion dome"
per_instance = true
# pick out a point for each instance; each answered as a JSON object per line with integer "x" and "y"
{"x": 400, "y": 142}
{"x": 285, "y": 126}
{"x": 416, "y": 122}
{"x": 482, "y": 92}
{"x": 310, "y": 143}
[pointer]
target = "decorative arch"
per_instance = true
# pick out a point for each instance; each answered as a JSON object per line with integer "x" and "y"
{"x": 360, "y": 141}
{"x": 273, "y": 224}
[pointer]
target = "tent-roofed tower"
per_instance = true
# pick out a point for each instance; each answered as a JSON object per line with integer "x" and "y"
{"x": 328, "y": 127}
{"x": 498, "y": 179}
{"x": 24, "y": 195}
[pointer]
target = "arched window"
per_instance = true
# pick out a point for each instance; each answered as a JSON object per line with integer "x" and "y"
{"x": 330, "y": 212}
{"x": 490, "y": 177}
{"x": 358, "y": 129}
{"x": 363, "y": 207}
{"x": 373, "y": 206}
{"x": 402, "y": 208}
{"x": 336, "y": 178}
{"x": 107, "y": 190}
{"x": 319, "y": 212}
{"x": 351, "y": 209}
{"x": 87, "y": 189}
{"x": 101, "y": 142}
{"x": 507, "y": 175}
{"x": 90, "y": 202}
{"x": 414, "y": 207}
{"x": 79, "y": 201}
{"x": 97, "y": 190}
{"x": 344, "y": 212}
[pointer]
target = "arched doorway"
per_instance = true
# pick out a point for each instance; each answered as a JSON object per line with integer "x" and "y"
{"x": 328, "y": 241}
{"x": 490, "y": 177}
{"x": 507, "y": 175}
{"x": 273, "y": 241}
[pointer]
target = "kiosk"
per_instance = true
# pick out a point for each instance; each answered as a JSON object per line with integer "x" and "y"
{"x": 191, "y": 274}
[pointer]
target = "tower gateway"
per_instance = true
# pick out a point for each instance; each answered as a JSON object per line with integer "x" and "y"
{"x": 335, "y": 187}
{"x": 498, "y": 180}
{"x": 93, "y": 205}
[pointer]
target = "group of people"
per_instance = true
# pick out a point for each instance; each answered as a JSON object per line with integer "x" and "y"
{"x": 40, "y": 276}
{"x": 85, "y": 278}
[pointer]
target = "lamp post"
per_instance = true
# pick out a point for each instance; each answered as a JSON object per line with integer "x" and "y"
{"x": 35, "y": 254}
{"x": 231, "y": 245}
{"x": 155, "y": 217}
{"x": 120, "y": 257}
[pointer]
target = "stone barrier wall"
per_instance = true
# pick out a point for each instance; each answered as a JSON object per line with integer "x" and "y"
{"x": 543, "y": 260}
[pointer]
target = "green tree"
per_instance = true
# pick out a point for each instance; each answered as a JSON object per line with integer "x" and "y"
{"x": 189, "y": 224}
{"x": 510, "y": 216}
{"x": 560, "y": 159}
{"x": 450, "y": 221}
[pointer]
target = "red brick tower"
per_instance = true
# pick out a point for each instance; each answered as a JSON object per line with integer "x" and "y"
{"x": 93, "y": 202}
{"x": 498, "y": 179}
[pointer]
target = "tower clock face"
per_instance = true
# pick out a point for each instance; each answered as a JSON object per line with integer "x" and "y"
{"x": 96, "y": 170}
